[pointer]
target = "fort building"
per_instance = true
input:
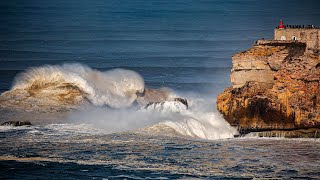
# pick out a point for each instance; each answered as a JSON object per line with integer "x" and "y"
{"x": 305, "y": 34}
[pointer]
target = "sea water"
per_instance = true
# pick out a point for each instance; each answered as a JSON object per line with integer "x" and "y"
{"x": 64, "y": 151}
{"x": 183, "y": 45}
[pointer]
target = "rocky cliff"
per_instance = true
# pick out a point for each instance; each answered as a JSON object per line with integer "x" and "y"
{"x": 275, "y": 85}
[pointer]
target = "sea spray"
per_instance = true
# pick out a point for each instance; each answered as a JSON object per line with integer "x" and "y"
{"x": 203, "y": 126}
{"x": 197, "y": 121}
{"x": 114, "y": 120}
{"x": 115, "y": 88}
{"x": 112, "y": 95}
{"x": 160, "y": 118}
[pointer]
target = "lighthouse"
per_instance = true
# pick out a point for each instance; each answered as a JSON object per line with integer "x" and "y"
{"x": 281, "y": 26}
{"x": 309, "y": 35}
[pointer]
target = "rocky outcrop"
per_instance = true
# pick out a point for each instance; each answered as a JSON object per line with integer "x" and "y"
{"x": 152, "y": 96}
{"x": 300, "y": 133}
{"x": 16, "y": 123}
{"x": 275, "y": 85}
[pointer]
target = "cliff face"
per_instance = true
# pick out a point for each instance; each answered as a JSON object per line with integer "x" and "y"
{"x": 276, "y": 85}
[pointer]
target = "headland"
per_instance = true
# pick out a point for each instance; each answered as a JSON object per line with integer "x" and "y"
{"x": 276, "y": 84}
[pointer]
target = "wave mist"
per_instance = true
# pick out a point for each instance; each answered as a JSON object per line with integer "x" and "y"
{"x": 115, "y": 101}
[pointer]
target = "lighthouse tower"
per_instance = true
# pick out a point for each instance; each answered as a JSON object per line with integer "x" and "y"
{"x": 281, "y": 26}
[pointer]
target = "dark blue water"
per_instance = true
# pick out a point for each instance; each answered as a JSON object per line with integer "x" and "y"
{"x": 69, "y": 152}
{"x": 182, "y": 44}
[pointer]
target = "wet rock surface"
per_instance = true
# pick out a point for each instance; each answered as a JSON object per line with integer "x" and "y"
{"x": 16, "y": 123}
{"x": 299, "y": 133}
{"x": 276, "y": 86}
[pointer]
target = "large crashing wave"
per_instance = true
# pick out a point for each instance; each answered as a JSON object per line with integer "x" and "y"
{"x": 115, "y": 88}
{"x": 118, "y": 89}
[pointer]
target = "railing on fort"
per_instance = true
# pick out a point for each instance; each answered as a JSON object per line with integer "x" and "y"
{"x": 300, "y": 27}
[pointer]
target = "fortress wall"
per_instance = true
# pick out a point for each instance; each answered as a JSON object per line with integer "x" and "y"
{"x": 309, "y": 36}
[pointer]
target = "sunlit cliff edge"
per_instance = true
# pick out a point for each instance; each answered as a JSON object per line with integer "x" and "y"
{"x": 275, "y": 84}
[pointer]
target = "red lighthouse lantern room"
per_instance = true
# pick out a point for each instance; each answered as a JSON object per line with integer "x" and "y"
{"x": 281, "y": 26}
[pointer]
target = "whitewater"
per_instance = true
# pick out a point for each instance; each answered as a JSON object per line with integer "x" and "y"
{"x": 116, "y": 88}
{"x": 116, "y": 101}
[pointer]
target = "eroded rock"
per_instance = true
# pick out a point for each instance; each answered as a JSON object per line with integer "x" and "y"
{"x": 279, "y": 90}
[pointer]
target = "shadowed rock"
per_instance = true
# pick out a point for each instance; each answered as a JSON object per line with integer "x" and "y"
{"x": 183, "y": 101}
{"x": 16, "y": 123}
{"x": 299, "y": 133}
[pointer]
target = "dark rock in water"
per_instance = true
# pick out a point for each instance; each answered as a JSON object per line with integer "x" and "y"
{"x": 299, "y": 133}
{"x": 152, "y": 96}
{"x": 157, "y": 97}
{"x": 16, "y": 123}
{"x": 183, "y": 101}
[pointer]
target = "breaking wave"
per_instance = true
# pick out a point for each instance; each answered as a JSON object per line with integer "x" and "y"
{"x": 115, "y": 88}
{"x": 169, "y": 118}
{"x": 191, "y": 122}
{"x": 156, "y": 111}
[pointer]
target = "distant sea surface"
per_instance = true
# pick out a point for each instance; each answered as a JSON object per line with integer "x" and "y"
{"x": 185, "y": 45}
{"x": 182, "y": 44}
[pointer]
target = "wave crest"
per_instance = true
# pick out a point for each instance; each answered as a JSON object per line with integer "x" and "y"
{"x": 60, "y": 87}
{"x": 115, "y": 88}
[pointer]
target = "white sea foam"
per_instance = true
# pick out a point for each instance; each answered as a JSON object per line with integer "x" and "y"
{"x": 192, "y": 122}
{"x": 204, "y": 126}
{"x": 116, "y": 88}
{"x": 172, "y": 114}
{"x": 165, "y": 107}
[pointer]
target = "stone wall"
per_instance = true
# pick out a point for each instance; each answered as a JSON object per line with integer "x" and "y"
{"x": 309, "y": 36}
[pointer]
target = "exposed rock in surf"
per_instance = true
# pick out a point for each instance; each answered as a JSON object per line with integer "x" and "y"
{"x": 161, "y": 100}
{"x": 299, "y": 133}
{"x": 16, "y": 123}
{"x": 275, "y": 86}
{"x": 183, "y": 101}
{"x": 158, "y": 97}
{"x": 152, "y": 96}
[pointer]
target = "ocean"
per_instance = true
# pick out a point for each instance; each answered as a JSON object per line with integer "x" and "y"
{"x": 181, "y": 45}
